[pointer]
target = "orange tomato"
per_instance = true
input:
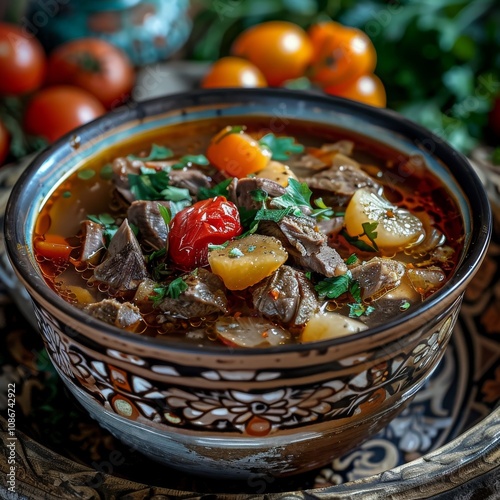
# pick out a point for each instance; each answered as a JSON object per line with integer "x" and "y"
{"x": 233, "y": 72}
{"x": 340, "y": 53}
{"x": 236, "y": 153}
{"x": 281, "y": 50}
{"x": 366, "y": 88}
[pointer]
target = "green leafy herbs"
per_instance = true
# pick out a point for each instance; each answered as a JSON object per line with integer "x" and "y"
{"x": 281, "y": 147}
{"x": 188, "y": 160}
{"x": 106, "y": 172}
{"x": 211, "y": 246}
{"x": 358, "y": 309}
{"x": 173, "y": 290}
{"x": 218, "y": 190}
{"x": 297, "y": 194}
{"x": 86, "y": 174}
{"x": 153, "y": 184}
{"x": 234, "y": 253}
{"x": 108, "y": 222}
{"x": 352, "y": 259}
{"x": 165, "y": 214}
{"x": 336, "y": 286}
{"x": 369, "y": 230}
{"x": 156, "y": 153}
{"x": 405, "y": 305}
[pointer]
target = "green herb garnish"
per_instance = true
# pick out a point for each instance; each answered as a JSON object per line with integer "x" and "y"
{"x": 405, "y": 305}
{"x": 173, "y": 290}
{"x": 86, "y": 174}
{"x": 369, "y": 230}
{"x": 218, "y": 190}
{"x": 106, "y": 172}
{"x": 297, "y": 194}
{"x": 234, "y": 253}
{"x": 108, "y": 222}
{"x": 359, "y": 309}
{"x": 281, "y": 147}
{"x": 165, "y": 214}
{"x": 336, "y": 286}
{"x": 188, "y": 160}
{"x": 156, "y": 153}
{"x": 351, "y": 259}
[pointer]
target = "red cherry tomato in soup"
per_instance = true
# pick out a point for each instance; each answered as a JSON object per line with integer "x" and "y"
{"x": 22, "y": 61}
{"x": 214, "y": 221}
{"x": 54, "y": 111}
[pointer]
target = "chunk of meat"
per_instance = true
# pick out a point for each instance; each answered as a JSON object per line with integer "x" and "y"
{"x": 123, "y": 267}
{"x": 123, "y": 315}
{"x": 121, "y": 168}
{"x": 146, "y": 216}
{"x": 241, "y": 191}
{"x": 342, "y": 181}
{"x": 203, "y": 297}
{"x": 192, "y": 180}
{"x": 93, "y": 243}
{"x": 306, "y": 244}
{"x": 378, "y": 276}
{"x": 287, "y": 296}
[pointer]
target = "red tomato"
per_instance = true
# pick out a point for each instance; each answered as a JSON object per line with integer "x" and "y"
{"x": 366, "y": 88}
{"x": 94, "y": 65}
{"x": 340, "y": 53}
{"x": 215, "y": 221}
{"x": 4, "y": 142}
{"x": 54, "y": 111}
{"x": 233, "y": 72}
{"x": 281, "y": 50}
{"x": 22, "y": 61}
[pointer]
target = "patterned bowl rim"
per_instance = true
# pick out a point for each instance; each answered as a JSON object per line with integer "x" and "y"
{"x": 468, "y": 184}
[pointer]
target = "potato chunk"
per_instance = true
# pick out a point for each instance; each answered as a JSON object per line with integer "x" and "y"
{"x": 330, "y": 325}
{"x": 246, "y": 261}
{"x": 277, "y": 172}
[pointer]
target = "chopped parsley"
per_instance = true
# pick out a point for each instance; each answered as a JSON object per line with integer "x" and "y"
{"x": 157, "y": 153}
{"x": 297, "y": 194}
{"x": 218, "y": 190}
{"x": 336, "y": 286}
{"x": 165, "y": 214}
{"x": 234, "y": 253}
{"x": 188, "y": 160}
{"x": 108, "y": 222}
{"x": 153, "y": 184}
{"x": 281, "y": 147}
{"x": 405, "y": 305}
{"x": 351, "y": 259}
{"x": 173, "y": 290}
{"x": 106, "y": 172}
{"x": 369, "y": 230}
{"x": 211, "y": 246}
{"x": 359, "y": 309}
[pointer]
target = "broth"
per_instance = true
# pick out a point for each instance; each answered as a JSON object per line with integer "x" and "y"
{"x": 328, "y": 265}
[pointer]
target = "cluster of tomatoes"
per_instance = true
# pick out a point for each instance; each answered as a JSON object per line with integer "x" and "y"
{"x": 74, "y": 84}
{"x": 338, "y": 59}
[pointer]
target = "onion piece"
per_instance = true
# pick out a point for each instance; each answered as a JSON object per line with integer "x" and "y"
{"x": 249, "y": 331}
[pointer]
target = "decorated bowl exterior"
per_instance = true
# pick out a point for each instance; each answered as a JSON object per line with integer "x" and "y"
{"x": 229, "y": 412}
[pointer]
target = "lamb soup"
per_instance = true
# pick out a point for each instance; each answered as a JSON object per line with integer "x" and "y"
{"x": 224, "y": 232}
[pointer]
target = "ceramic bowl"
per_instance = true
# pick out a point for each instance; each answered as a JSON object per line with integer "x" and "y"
{"x": 233, "y": 413}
